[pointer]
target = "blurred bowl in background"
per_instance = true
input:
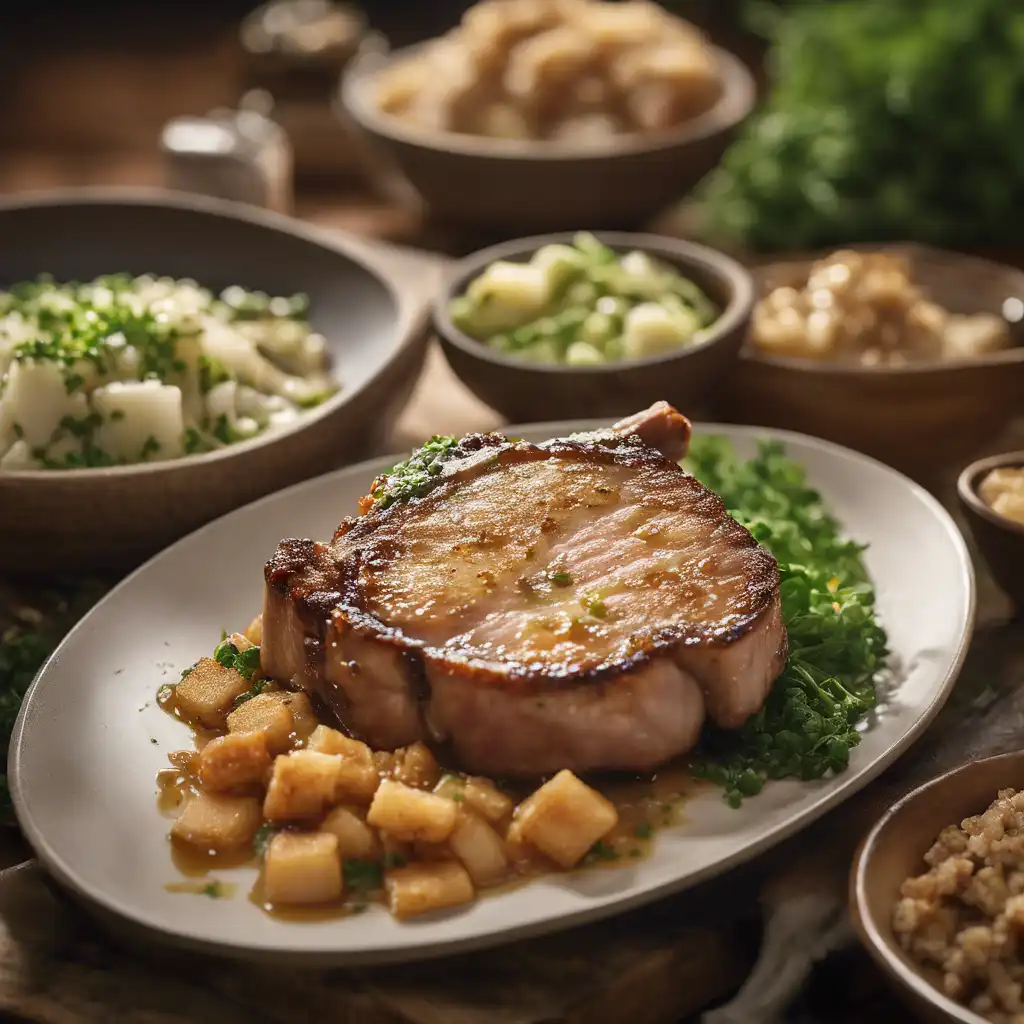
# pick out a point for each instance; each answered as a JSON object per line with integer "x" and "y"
{"x": 530, "y": 391}
{"x": 1000, "y": 539}
{"x": 915, "y": 416}
{"x": 534, "y": 186}
{"x": 110, "y": 519}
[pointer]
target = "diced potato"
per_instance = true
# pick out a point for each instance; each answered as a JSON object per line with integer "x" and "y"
{"x": 484, "y": 798}
{"x": 141, "y": 419}
{"x": 237, "y": 759}
{"x": 36, "y": 398}
{"x": 241, "y": 641}
{"x": 412, "y": 814}
{"x": 564, "y": 818}
{"x": 423, "y": 887}
{"x": 416, "y": 766}
{"x": 480, "y": 849}
{"x": 384, "y": 761}
{"x": 303, "y": 785}
{"x": 268, "y": 714}
{"x": 206, "y": 695}
{"x": 356, "y": 840}
{"x": 478, "y": 795}
{"x": 358, "y": 779}
{"x": 302, "y": 867}
{"x": 211, "y": 822}
{"x": 304, "y": 720}
{"x": 254, "y": 631}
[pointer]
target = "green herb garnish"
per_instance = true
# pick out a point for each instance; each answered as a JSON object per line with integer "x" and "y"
{"x": 261, "y": 840}
{"x": 362, "y": 875}
{"x": 243, "y": 662}
{"x": 643, "y": 830}
{"x": 394, "y": 860}
{"x": 411, "y": 478}
{"x": 836, "y": 646}
{"x": 560, "y": 578}
{"x": 601, "y": 851}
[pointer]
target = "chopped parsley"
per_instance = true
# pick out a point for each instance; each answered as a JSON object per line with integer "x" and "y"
{"x": 600, "y": 851}
{"x": 643, "y": 830}
{"x": 362, "y": 875}
{"x": 411, "y": 478}
{"x": 560, "y": 578}
{"x": 215, "y": 890}
{"x": 394, "y": 860}
{"x": 808, "y": 725}
{"x": 261, "y": 840}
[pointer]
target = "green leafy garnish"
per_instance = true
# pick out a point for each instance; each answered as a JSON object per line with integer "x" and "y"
{"x": 411, "y": 478}
{"x": 394, "y": 860}
{"x": 643, "y": 830}
{"x": 243, "y": 662}
{"x": 213, "y": 889}
{"x": 601, "y": 851}
{"x": 261, "y": 840}
{"x": 362, "y": 875}
{"x": 836, "y": 646}
{"x": 560, "y": 578}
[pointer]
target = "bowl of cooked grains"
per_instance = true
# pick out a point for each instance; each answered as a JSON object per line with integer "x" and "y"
{"x": 937, "y": 894}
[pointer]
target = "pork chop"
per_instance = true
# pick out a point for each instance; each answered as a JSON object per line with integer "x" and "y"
{"x": 582, "y": 603}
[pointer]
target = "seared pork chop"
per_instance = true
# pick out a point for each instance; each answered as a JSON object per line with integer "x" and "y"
{"x": 581, "y": 603}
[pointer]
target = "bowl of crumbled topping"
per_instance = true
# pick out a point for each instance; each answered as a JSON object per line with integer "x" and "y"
{"x": 910, "y": 354}
{"x": 937, "y": 893}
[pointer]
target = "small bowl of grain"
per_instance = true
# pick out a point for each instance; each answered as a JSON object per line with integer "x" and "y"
{"x": 937, "y": 894}
{"x": 991, "y": 493}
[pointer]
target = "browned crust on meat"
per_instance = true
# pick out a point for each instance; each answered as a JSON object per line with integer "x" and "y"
{"x": 327, "y": 589}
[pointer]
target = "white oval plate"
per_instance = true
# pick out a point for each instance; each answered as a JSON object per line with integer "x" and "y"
{"x": 90, "y": 738}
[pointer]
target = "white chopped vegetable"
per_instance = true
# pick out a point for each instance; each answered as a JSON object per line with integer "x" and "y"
{"x": 580, "y": 353}
{"x": 518, "y": 288}
{"x": 19, "y": 456}
{"x": 139, "y": 420}
{"x": 36, "y": 399}
{"x": 651, "y": 329}
{"x": 126, "y": 369}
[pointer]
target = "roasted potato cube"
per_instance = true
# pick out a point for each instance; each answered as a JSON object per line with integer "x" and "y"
{"x": 241, "y": 641}
{"x": 412, "y": 814}
{"x": 416, "y": 766}
{"x": 480, "y": 796}
{"x": 302, "y": 867}
{"x": 331, "y": 741}
{"x": 237, "y": 759}
{"x": 484, "y": 798}
{"x": 356, "y": 840}
{"x": 358, "y": 780}
{"x": 564, "y": 818}
{"x": 207, "y": 693}
{"x": 480, "y": 849}
{"x": 303, "y": 785}
{"x": 254, "y": 631}
{"x": 211, "y": 822}
{"x": 422, "y": 887}
{"x": 268, "y": 714}
{"x": 304, "y": 720}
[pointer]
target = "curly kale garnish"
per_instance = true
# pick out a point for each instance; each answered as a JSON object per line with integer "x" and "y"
{"x": 411, "y": 478}
{"x": 836, "y": 646}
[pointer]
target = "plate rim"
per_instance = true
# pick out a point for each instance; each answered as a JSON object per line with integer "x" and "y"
{"x": 125, "y": 916}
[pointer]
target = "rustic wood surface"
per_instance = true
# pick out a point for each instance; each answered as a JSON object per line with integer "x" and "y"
{"x": 657, "y": 965}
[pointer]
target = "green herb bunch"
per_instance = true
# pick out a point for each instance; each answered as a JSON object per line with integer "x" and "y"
{"x": 888, "y": 119}
{"x": 836, "y": 646}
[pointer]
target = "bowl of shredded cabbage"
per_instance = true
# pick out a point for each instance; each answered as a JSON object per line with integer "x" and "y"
{"x": 165, "y": 358}
{"x": 582, "y": 324}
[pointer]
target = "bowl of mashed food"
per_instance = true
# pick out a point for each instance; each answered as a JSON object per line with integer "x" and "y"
{"x": 166, "y": 358}
{"x": 545, "y": 115}
{"x": 908, "y": 353}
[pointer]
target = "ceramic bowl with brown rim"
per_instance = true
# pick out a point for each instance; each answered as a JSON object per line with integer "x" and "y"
{"x": 527, "y": 391}
{"x": 1000, "y": 539}
{"x": 914, "y": 416}
{"x": 109, "y": 519}
{"x": 511, "y": 185}
{"x": 894, "y": 851}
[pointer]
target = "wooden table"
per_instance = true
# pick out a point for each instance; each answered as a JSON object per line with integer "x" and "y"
{"x": 55, "y": 133}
